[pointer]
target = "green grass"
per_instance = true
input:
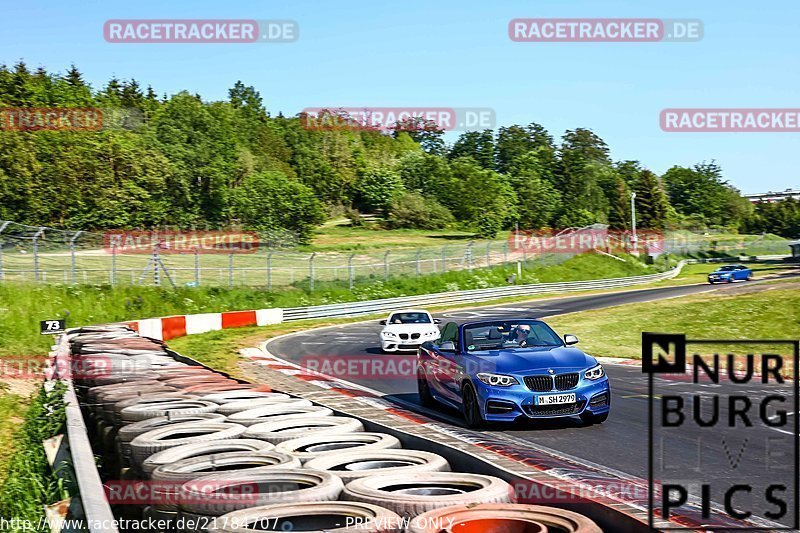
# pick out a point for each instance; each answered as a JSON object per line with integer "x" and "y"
{"x": 23, "y": 306}
{"x": 337, "y": 238}
{"x": 616, "y": 331}
{"x": 29, "y": 481}
{"x": 12, "y": 409}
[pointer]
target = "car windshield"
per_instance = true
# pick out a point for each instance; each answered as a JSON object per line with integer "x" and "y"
{"x": 410, "y": 318}
{"x": 509, "y": 334}
{"x": 726, "y": 268}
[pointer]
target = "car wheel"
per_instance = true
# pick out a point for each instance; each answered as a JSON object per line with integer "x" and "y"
{"x": 424, "y": 390}
{"x": 730, "y": 279}
{"x": 589, "y": 418}
{"x": 472, "y": 411}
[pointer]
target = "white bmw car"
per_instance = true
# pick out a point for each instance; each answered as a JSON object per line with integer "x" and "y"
{"x": 407, "y": 329}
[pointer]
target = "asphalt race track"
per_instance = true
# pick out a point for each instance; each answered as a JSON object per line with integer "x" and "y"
{"x": 620, "y": 444}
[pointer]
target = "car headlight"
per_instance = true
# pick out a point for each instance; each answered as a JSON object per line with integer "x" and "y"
{"x": 388, "y": 334}
{"x": 497, "y": 380}
{"x": 594, "y": 373}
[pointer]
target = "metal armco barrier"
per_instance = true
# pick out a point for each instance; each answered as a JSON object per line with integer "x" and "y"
{"x": 166, "y": 328}
{"x": 469, "y": 296}
{"x": 93, "y": 508}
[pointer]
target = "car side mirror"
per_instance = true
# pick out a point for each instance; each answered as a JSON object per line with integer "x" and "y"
{"x": 383, "y": 322}
{"x": 447, "y": 346}
{"x": 437, "y": 320}
{"x": 569, "y": 340}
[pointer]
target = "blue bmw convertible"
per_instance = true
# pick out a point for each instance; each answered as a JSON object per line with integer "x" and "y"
{"x": 505, "y": 370}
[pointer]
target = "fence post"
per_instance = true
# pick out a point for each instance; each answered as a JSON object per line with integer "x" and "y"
{"x": 488, "y": 254}
{"x": 36, "y": 253}
{"x": 269, "y": 270}
{"x": 505, "y": 252}
{"x": 197, "y": 266}
{"x": 444, "y": 258}
{"x": 311, "y": 271}
{"x": 156, "y": 269}
{"x": 418, "y": 252}
{"x": 469, "y": 256}
{"x": 386, "y": 265}
{"x": 350, "y": 273}
{"x": 113, "y": 265}
{"x": 72, "y": 254}
{"x": 230, "y": 270}
{"x": 3, "y": 226}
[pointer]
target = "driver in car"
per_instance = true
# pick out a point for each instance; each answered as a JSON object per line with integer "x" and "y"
{"x": 519, "y": 335}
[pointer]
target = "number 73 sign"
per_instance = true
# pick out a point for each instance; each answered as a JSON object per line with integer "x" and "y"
{"x": 51, "y": 327}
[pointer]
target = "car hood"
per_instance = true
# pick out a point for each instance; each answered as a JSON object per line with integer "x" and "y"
{"x": 531, "y": 360}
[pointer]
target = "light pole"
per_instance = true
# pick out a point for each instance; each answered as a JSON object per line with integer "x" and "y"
{"x": 633, "y": 224}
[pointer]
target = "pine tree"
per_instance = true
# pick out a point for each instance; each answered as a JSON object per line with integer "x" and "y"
{"x": 651, "y": 201}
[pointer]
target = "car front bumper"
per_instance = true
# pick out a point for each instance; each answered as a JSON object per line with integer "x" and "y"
{"x": 506, "y": 404}
{"x": 400, "y": 345}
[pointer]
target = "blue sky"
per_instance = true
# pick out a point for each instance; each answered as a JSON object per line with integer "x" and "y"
{"x": 458, "y": 54}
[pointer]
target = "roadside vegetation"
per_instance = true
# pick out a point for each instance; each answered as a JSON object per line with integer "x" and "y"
{"x": 767, "y": 311}
{"x": 27, "y": 482}
{"x": 22, "y": 306}
{"x": 181, "y": 162}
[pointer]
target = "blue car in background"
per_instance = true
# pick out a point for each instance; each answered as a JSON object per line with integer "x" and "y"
{"x": 730, "y": 273}
{"x": 505, "y": 370}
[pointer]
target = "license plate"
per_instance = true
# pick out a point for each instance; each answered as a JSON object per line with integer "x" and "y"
{"x": 553, "y": 399}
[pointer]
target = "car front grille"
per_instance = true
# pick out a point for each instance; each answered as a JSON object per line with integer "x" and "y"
{"x": 554, "y": 410}
{"x": 546, "y": 383}
{"x": 539, "y": 383}
{"x": 566, "y": 381}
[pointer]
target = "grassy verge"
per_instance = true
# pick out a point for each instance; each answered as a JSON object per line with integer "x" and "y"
{"x": 23, "y": 306}
{"x": 338, "y": 238}
{"x": 29, "y": 482}
{"x": 769, "y": 311}
{"x": 12, "y": 409}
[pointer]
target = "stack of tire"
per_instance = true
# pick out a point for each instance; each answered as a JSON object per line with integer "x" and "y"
{"x": 207, "y": 453}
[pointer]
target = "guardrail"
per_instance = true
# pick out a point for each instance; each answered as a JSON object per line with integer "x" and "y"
{"x": 93, "y": 507}
{"x": 469, "y": 296}
{"x": 166, "y": 328}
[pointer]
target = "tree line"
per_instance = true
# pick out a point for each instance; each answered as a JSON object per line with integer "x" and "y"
{"x": 212, "y": 165}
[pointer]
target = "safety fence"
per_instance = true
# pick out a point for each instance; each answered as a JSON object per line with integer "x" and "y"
{"x": 47, "y": 255}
